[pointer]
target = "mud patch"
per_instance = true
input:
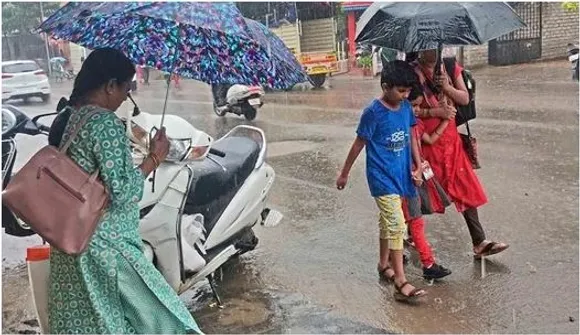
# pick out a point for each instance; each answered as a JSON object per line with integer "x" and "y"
{"x": 18, "y": 315}
{"x": 251, "y": 306}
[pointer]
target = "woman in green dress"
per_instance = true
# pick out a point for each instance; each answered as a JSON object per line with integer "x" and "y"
{"x": 111, "y": 288}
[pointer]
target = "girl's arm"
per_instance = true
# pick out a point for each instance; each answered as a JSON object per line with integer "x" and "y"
{"x": 415, "y": 151}
{"x": 432, "y": 138}
{"x": 416, "y": 174}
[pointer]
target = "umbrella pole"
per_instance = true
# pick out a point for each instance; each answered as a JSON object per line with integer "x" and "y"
{"x": 165, "y": 103}
{"x": 439, "y": 59}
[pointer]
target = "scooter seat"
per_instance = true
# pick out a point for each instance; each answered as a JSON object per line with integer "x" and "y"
{"x": 213, "y": 188}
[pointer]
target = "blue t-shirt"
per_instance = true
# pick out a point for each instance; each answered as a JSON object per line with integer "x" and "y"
{"x": 388, "y": 146}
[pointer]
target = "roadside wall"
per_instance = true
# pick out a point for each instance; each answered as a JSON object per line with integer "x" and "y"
{"x": 559, "y": 27}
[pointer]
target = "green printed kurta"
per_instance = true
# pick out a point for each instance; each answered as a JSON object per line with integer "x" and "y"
{"x": 111, "y": 288}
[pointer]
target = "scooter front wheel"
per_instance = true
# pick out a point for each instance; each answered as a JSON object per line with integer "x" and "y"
{"x": 219, "y": 112}
{"x": 250, "y": 112}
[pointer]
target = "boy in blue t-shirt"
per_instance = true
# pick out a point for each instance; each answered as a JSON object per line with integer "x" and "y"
{"x": 385, "y": 131}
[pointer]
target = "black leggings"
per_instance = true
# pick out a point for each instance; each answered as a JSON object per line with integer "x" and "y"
{"x": 475, "y": 229}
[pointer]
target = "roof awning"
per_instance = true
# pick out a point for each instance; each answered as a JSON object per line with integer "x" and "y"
{"x": 352, "y": 6}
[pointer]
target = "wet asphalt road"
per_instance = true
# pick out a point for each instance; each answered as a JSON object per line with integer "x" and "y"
{"x": 315, "y": 272}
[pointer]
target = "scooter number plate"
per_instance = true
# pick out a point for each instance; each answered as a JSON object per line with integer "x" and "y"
{"x": 254, "y": 102}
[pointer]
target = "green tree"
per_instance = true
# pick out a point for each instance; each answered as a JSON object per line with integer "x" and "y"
{"x": 22, "y": 18}
{"x": 570, "y": 6}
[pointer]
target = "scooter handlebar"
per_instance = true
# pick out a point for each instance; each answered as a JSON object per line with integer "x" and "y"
{"x": 217, "y": 152}
{"x": 44, "y": 128}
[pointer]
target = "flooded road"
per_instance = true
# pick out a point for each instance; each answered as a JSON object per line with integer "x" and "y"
{"x": 315, "y": 272}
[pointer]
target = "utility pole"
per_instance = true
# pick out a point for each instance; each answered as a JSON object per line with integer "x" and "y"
{"x": 268, "y": 27}
{"x": 46, "y": 42}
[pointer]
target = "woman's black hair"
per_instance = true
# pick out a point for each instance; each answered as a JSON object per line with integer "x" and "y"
{"x": 410, "y": 57}
{"x": 101, "y": 66}
{"x": 398, "y": 73}
{"x": 416, "y": 91}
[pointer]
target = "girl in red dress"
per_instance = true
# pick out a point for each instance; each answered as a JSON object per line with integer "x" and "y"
{"x": 431, "y": 198}
{"x": 447, "y": 157}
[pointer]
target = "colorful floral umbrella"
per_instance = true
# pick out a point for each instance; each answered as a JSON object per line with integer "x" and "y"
{"x": 206, "y": 41}
{"x": 285, "y": 66}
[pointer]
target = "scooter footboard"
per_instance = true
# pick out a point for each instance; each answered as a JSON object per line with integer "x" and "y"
{"x": 164, "y": 229}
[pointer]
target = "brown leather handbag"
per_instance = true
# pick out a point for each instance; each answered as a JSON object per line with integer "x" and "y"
{"x": 470, "y": 146}
{"x": 58, "y": 199}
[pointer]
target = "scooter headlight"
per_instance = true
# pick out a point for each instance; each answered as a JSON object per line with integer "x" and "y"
{"x": 8, "y": 120}
{"x": 178, "y": 149}
{"x": 182, "y": 150}
{"x": 197, "y": 153}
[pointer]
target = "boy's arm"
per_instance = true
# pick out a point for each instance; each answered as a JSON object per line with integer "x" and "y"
{"x": 434, "y": 137}
{"x": 357, "y": 146}
{"x": 355, "y": 150}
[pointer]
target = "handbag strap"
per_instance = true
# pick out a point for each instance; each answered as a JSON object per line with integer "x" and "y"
{"x": 467, "y": 127}
{"x": 77, "y": 129}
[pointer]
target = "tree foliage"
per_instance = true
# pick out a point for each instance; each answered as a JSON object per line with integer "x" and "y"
{"x": 570, "y": 6}
{"x": 24, "y": 17}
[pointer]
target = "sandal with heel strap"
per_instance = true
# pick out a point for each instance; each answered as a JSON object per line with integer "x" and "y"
{"x": 383, "y": 273}
{"x": 491, "y": 248}
{"x": 413, "y": 296}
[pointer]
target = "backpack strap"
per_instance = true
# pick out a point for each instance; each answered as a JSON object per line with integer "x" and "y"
{"x": 467, "y": 127}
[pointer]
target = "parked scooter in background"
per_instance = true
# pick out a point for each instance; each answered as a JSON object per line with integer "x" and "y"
{"x": 237, "y": 99}
{"x": 573, "y": 58}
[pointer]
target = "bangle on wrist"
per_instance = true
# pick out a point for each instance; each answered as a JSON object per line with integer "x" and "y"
{"x": 154, "y": 158}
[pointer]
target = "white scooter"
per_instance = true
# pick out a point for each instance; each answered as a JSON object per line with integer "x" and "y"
{"x": 239, "y": 100}
{"x": 199, "y": 207}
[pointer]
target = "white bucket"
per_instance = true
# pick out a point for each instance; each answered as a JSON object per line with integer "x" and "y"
{"x": 38, "y": 261}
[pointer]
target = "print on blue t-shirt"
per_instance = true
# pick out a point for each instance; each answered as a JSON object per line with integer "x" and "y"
{"x": 388, "y": 146}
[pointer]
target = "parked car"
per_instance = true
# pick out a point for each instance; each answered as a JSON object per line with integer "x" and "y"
{"x": 24, "y": 79}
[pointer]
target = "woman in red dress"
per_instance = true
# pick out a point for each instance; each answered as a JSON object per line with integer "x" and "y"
{"x": 447, "y": 157}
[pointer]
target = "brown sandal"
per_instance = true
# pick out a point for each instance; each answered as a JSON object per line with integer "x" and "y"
{"x": 383, "y": 273}
{"x": 413, "y": 295}
{"x": 491, "y": 248}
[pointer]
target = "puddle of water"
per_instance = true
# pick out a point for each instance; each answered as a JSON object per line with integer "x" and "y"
{"x": 284, "y": 148}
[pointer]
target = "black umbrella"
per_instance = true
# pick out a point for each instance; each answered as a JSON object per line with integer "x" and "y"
{"x": 416, "y": 26}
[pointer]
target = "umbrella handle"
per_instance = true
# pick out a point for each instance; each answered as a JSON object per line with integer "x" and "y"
{"x": 437, "y": 71}
{"x": 165, "y": 103}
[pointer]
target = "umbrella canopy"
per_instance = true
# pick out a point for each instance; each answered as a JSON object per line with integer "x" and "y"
{"x": 416, "y": 26}
{"x": 206, "y": 41}
{"x": 284, "y": 64}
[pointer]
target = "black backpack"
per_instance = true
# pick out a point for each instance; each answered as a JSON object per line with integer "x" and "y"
{"x": 467, "y": 112}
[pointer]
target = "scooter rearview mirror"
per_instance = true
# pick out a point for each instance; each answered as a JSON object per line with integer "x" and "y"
{"x": 136, "y": 110}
